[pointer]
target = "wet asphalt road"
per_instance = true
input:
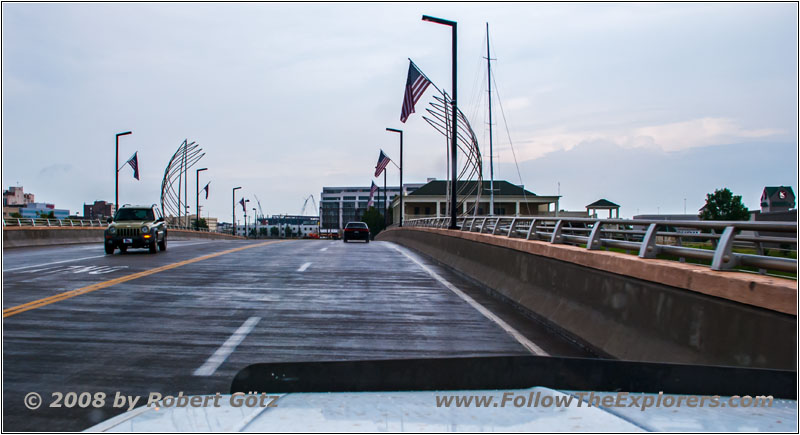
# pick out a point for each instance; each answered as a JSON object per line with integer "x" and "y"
{"x": 164, "y": 330}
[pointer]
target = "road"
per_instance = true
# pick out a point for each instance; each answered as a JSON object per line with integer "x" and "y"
{"x": 188, "y": 319}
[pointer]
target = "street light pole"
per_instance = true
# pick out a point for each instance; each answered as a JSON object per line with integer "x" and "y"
{"x": 402, "y": 211}
{"x": 453, "y": 124}
{"x": 255, "y": 219}
{"x": 233, "y": 199}
{"x": 116, "y": 171}
{"x": 197, "y": 200}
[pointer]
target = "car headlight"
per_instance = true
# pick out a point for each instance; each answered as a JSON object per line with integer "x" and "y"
{"x": 112, "y": 230}
{"x": 145, "y": 229}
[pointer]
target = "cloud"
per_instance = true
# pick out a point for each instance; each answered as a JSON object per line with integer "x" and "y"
{"x": 55, "y": 170}
{"x": 648, "y": 180}
{"x": 669, "y": 137}
{"x": 700, "y": 132}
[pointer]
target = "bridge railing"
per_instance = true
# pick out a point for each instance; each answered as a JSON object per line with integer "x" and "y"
{"x": 724, "y": 245}
{"x": 42, "y": 222}
{"x": 74, "y": 223}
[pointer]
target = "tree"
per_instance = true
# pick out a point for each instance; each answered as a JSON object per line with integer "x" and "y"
{"x": 201, "y": 223}
{"x": 273, "y": 231}
{"x": 16, "y": 215}
{"x": 262, "y": 231}
{"x": 50, "y": 215}
{"x": 723, "y": 205}
{"x": 287, "y": 231}
{"x": 374, "y": 220}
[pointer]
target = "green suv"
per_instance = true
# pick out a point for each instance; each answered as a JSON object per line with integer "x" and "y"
{"x": 136, "y": 226}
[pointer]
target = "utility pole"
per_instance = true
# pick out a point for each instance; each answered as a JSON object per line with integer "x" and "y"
{"x": 233, "y": 199}
{"x": 402, "y": 210}
{"x": 454, "y": 125}
{"x": 197, "y": 199}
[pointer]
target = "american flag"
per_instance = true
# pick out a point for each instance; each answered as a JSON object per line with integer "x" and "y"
{"x": 383, "y": 160}
{"x": 242, "y": 202}
{"x": 372, "y": 191}
{"x": 206, "y": 189}
{"x": 415, "y": 87}
{"x": 134, "y": 162}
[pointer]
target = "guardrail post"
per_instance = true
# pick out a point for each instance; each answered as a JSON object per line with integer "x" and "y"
{"x": 496, "y": 225}
{"x": 33, "y": 222}
{"x": 48, "y": 222}
{"x": 512, "y": 227}
{"x": 724, "y": 258}
{"x": 531, "y": 229}
{"x": 556, "y": 237}
{"x": 649, "y": 249}
{"x": 483, "y": 224}
{"x": 19, "y": 223}
{"x": 594, "y": 242}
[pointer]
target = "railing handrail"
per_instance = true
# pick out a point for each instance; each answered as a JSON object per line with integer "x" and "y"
{"x": 55, "y": 223}
{"x": 642, "y": 235}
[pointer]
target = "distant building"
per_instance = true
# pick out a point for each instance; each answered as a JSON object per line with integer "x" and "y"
{"x": 602, "y": 204}
{"x": 16, "y": 196}
{"x": 777, "y": 198}
{"x": 668, "y": 217}
{"x": 8, "y": 210}
{"x": 299, "y": 225}
{"x": 211, "y": 222}
{"x": 777, "y": 205}
{"x": 98, "y": 210}
{"x": 39, "y": 209}
{"x": 340, "y": 205}
{"x": 430, "y": 200}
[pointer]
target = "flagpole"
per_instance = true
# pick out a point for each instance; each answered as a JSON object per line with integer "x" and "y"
{"x": 116, "y": 171}
{"x": 384, "y": 197}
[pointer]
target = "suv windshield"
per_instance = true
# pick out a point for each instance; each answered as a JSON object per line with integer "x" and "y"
{"x": 134, "y": 214}
{"x": 356, "y": 225}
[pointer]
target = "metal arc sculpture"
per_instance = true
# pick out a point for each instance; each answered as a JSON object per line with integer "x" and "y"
{"x": 175, "y": 178}
{"x": 470, "y": 173}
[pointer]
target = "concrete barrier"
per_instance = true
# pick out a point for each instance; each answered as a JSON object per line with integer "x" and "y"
{"x": 18, "y": 237}
{"x": 625, "y": 307}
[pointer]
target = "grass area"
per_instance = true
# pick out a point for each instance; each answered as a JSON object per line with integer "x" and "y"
{"x": 772, "y": 253}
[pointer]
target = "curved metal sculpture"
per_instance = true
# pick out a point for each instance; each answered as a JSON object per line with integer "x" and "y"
{"x": 470, "y": 173}
{"x": 187, "y": 155}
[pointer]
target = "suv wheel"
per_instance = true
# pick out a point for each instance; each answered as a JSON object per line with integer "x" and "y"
{"x": 162, "y": 245}
{"x": 109, "y": 248}
{"x": 153, "y": 247}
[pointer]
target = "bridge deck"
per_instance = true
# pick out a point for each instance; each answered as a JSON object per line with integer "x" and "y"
{"x": 191, "y": 325}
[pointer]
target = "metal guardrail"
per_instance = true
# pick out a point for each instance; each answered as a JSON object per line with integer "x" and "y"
{"x": 73, "y": 223}
{"x": 41, "y": 222}
{"x": 648, "y": 237}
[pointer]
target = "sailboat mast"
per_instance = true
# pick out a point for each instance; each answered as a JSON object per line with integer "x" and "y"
{"x": 491, "y": 151}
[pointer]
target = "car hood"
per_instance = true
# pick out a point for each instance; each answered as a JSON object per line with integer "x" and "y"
{"x": 416, "y": 411}
{"x": 131, "y": 224}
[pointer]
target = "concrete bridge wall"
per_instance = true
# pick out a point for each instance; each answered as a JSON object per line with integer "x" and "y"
{"x": 625, "y": 307}
{"x": 17, "y": 237}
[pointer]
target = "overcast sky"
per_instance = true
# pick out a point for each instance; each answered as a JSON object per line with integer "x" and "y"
{"x": 642, "y": 104}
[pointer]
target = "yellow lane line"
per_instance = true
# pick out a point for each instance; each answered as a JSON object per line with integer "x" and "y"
{"x": 8, "y": 312}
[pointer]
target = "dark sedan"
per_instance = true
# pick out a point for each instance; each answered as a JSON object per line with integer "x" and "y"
{"x": 356, "y": 231}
